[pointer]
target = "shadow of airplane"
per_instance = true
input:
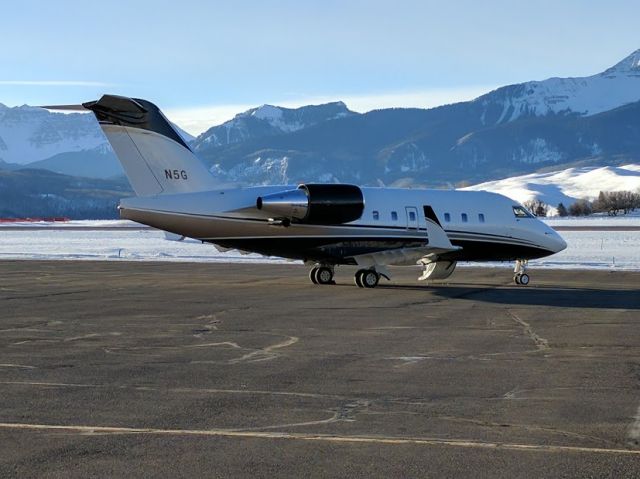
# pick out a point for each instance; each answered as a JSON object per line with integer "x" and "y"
{"x": 535, "y": 296}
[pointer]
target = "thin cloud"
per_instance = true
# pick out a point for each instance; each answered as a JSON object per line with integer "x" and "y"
{"x": 63, "y": 83}
{"x": 195, "y": 120}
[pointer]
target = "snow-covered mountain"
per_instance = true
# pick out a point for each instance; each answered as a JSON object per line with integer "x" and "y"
{"x": 29, "y": 134}
{"x": 514, "y": 130}
{"x": 71, "y": 144}
{"x": 269, "y": 120}
{"x": 566, "y": 186}
{"x": 616, "y": 86}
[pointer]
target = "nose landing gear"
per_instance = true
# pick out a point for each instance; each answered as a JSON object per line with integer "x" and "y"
{"x": 520, "y": 275}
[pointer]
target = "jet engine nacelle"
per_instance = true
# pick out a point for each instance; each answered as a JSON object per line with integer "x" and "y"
{"x": 439, "y": 270}
{"x": 315, "y": 204}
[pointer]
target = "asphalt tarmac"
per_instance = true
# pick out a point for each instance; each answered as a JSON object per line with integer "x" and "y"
{"x": 112, "y": 369}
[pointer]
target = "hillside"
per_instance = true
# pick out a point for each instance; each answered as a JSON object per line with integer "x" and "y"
{"x": 25, "y": 193}
{"x": 566, "y": 186}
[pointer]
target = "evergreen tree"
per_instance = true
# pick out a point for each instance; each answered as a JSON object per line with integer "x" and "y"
{"x": 562, "y": 210}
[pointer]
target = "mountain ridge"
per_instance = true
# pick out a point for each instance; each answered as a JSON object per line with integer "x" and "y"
{"x": 269, "y": 120}
{"x": 511, "y": 130}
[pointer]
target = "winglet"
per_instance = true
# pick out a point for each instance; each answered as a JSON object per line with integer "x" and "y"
{"x": 438, "y": 238}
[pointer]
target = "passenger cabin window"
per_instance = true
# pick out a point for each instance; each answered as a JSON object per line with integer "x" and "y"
{"x": 481, "y": 217}
{"x": 394, "y": 216}
{"x": 465, "y": 218}
{"x": 447, "y": 217}
{"x": 521, "y": 212}
{"x": 412, "y": 216}
{"x": 376, "y": 215}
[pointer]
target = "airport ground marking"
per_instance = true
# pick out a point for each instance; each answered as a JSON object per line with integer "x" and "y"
{"x": 634, "y": 429}
{"x": 382, "y": 440}
{"x": 185, "y": 390}
{"x": 264, "y": 354}
{"x": 541, "y": 343}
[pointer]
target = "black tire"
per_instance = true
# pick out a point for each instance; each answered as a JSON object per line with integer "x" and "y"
{"x": 358, "y": 278}
{"x": 524, "y": 279}
{"x": 324, "y": 275}
{"x": 370, "y": 278}
{"x": 312, "y": 275}
{"x": 516, "y": 279}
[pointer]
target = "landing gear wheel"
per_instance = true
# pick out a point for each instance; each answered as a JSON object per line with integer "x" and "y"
{"x": 358, "y": 278}
{"x": 324, "y": 275}
{"x": 520, "y": 275}
{"x": 312, "y": 275}
{"x": 370, "y": 279}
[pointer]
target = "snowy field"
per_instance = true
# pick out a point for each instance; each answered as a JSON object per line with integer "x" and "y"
{"x": 587, "y": 249}
{"x": 113, "y": 245}
{"x": 596, "y": 250}
{"x": 596, "y": 221}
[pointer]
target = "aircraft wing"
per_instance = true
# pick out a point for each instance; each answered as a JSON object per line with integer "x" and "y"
{"x": 437, "y": 243}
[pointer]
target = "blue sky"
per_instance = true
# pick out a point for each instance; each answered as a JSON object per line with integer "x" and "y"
{"x": 202, "y": 62}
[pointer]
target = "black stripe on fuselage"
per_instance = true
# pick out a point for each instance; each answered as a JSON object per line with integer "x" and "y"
{"x": 342, "y": 250}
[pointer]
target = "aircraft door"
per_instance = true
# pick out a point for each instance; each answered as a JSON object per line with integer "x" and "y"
{"x": 412, "y": 217}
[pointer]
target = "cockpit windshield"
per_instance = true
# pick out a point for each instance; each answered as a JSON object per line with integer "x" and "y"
{"x": 521, "y": 212}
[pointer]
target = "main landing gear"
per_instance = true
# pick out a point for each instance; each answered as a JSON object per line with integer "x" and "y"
{"x": 322, "y": 275}
{"x": 364, "y": 278}
{"x": 520, "y": 275}
{"x": 367, "y": 278}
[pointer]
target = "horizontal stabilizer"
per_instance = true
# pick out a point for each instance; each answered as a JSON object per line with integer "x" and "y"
{"x": 65, "y": 107}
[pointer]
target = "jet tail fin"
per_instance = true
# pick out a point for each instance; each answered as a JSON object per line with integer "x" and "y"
{"x": 155, "y": 157}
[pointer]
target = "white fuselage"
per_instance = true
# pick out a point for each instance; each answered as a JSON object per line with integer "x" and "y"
{"x": 482, "y": 224}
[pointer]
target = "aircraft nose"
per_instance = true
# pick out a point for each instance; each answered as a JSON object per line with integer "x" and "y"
{"x": 556, "y": 242}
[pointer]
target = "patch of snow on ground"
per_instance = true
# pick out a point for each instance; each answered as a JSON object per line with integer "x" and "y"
{"x": 114, "y": 245}
{"x": 74, "y": 224}
{"x": 619, "y": 250}
{"x": 595, "y": 221}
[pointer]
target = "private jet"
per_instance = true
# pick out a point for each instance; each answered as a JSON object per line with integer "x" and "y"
{"x": 324, "y": 225}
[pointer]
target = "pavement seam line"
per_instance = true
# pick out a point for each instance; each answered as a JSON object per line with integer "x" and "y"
{"x": 318, "y": 437}
{"x": 265, "y": 353}
{"x": 541, "y": 343}
{"x": 634, "y": 429}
